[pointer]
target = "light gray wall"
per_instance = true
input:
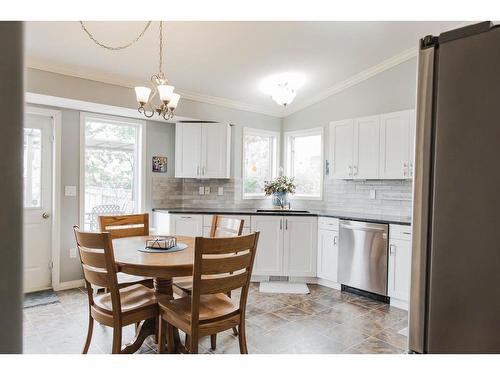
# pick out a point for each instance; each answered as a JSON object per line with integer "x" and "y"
{"x": 11, "y": 188}
{"x": 390, "y": 91}
{"x": 160, "y": 141}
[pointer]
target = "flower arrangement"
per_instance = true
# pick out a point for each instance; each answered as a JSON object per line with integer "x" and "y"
{"x": 281, "y": 184}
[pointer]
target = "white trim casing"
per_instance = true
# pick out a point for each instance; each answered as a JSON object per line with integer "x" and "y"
{"x": 141, "y": 173}
{"x": 286, "y": 142}
{"x": 56, "y": 187}
{"x": 276, "y": 161}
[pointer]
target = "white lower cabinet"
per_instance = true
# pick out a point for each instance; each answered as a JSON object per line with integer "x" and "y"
{"x": 328, "y": 255}
{"x": 399, "y": 268}
{"x": 178, "y": 224}
{"x": 287, "y": 245}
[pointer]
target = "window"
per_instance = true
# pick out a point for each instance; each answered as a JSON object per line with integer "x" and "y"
{"x": 32, "y": 167}
{"x": 304, "y": 161}
{"x": 260, "y": 160}
{"x": 111, "y": 170}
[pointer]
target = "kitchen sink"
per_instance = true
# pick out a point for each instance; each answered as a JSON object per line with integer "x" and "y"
{"x": 284, "y": 211}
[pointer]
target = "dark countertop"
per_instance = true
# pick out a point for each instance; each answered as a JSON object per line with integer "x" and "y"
{"x": 372, "y": 218}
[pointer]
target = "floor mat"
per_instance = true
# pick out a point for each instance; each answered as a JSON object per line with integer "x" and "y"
{"x": 44, "y": 297}
{"x": 283, "y": 287}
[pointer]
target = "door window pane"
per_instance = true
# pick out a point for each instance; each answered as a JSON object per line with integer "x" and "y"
{"x": 260, "y": 158}
{"x": 32, "y": 167}
{"x": 111, "y": 170}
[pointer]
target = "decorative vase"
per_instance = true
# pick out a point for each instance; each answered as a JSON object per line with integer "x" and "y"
{"x": 280, "y": 199}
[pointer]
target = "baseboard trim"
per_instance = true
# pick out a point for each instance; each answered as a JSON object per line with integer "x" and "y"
{"x": 69, "y": 285}
{"x": 328, "y": 283}
{"x": 400, "y": 304}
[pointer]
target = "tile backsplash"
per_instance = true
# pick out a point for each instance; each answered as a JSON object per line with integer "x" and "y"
{"x": 392, "y": 197}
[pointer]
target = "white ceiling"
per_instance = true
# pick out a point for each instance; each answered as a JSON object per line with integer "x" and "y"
{"x": 227, "y": 60}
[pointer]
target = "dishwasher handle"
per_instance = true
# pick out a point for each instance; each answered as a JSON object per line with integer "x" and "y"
{"x": 363, "y": 227}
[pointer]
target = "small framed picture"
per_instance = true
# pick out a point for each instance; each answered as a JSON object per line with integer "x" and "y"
{"x": 160, "y": 164}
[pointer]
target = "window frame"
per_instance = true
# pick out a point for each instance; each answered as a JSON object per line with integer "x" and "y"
{"x": 287, "y": 139}
{"x": 275, "y": 163}
{"x": 141, "y": 173}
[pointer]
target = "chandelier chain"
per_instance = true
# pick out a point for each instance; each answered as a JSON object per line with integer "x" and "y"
{"x": 161, "y": 47}
{"x": 115, "y": 48}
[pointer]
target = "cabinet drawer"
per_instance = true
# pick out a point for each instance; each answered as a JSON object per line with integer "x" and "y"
{"x": 400, "y": 232}
{"x": 207, "y": 219}
{"x": 328, "y": 223}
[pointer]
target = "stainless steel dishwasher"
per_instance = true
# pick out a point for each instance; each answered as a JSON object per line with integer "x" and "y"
{"x": 363, "y": 256}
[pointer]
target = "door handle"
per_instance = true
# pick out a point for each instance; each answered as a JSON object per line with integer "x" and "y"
{"x": 392, "y": 249}
{"x": 45, "y": 215}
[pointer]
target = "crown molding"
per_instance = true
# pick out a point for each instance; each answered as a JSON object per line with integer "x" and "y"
{"x": 117, "y": 81}
{"x": 354, "y": 80}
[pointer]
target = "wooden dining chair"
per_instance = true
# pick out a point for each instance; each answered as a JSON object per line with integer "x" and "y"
{"x": 220, "y": 265}
{"x": 120, "y": 226}
{"x": 121, "y": 306}
{"x": 221, "y": 227}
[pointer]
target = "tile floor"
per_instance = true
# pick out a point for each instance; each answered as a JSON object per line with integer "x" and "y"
{"x": 324, "y": 321}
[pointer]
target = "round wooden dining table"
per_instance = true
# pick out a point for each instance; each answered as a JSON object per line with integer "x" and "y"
{"x": 162, "y": 267}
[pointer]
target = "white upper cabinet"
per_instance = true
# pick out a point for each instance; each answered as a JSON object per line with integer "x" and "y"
{"x": 395, "y": 145}
{"x": 341, "y": 149}
{"x": 202, "y": 150}
{"x": 366, "y": 148}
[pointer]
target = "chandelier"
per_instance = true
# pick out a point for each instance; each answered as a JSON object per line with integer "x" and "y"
{"x": 168, "y": 100}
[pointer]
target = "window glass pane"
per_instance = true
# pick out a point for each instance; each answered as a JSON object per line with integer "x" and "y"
{"x": 306, "y": 164}
{"x": 110, "y": 170}
{"x": 258, "y": 164}
{"x": 32, "y": 167}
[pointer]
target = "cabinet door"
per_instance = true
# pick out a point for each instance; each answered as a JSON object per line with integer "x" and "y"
{"x": 300, "y": 249}
{"x": 399, "y": 269}
{"x": 188, "y": 150}
{"x": 341, "y": 149}
{"x": 215, "y": 150}
{"x": 328, "y": 254}
{"x": 394, "y": 140}
{"x": 411, "y": 143}
{"x": 186, "y": 225}
{"x": 269, "y": 257}
{"x": 366, "y": 147}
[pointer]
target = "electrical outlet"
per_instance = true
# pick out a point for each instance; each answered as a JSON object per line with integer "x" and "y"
{"x": 372, "y": 194}
{"x": 207, "y": 190}
{"x": 220, "y": 190}
{"x": 201, "y": 190}
{"x": 72, "y": 252}
{"x": 70, "y": 191}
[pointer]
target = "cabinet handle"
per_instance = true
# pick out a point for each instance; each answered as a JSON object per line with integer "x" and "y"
{"x": 355, "y": 170}
{"x": 350, "y": 170}
{"x": 286, "y": 224}
{"x": 405, "y": 168}
{"x": 334, "y": 240}
{"x": 203, "y": 171}
{"x": 198, "y": 170}
{"x": 281, "y": 224}
{"x": 411, "y": 169}
{"x": 392, "y": 249}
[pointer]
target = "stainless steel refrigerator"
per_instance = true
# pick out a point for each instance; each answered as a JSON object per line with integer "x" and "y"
{"x": 455, "y": 283}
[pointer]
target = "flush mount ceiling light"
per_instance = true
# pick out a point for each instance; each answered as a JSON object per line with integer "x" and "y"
{"x": 282, "y": 87}
{"x": 168, "y": 100}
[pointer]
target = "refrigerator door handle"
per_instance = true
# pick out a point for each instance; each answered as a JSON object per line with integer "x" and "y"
{"x": 421, "y": 200}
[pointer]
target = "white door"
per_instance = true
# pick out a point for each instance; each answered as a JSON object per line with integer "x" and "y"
{"x": 269, "y": 257}
{"x": 394, "y": 140}
{"x": 186, "y": 225}
{"x": 37, "y": 202}
{"x": 300, "y": 247}
{"x": 188, "y": 150}
{"x": 366, "y": 147}
{"x": 328, "y": 254}
{"x": 341, "y": 149}
{"x": 399, "y": 269}
{"x": 215, "y": 150}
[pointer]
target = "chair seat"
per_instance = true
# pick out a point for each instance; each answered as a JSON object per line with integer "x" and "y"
{"x": 212, "y": 307}
{"x": 134, "y": 297}
{"x": 184, "y": 283}
{"x": 125, "y": 279}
